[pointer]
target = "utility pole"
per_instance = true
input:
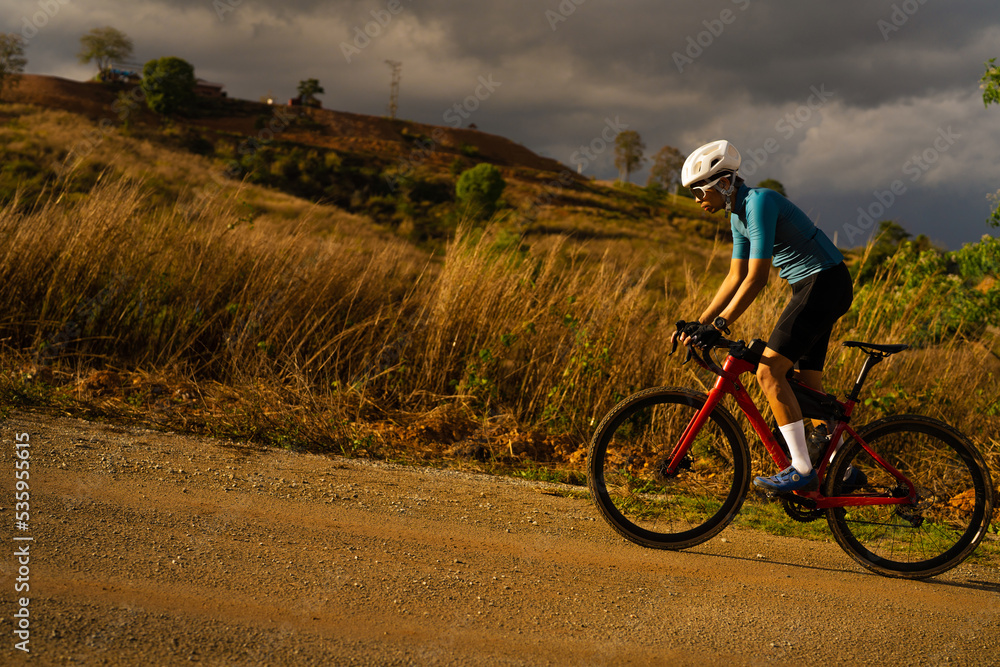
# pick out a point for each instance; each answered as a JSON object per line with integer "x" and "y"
{"x": 394, "y": 87}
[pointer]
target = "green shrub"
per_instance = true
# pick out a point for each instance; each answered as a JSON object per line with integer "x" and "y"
{"x": 169, "y": 85}
{"x": 479, "y": 190}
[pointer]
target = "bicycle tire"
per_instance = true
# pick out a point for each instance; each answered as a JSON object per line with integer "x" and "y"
{"x": 954, "y": 498}
{"x": 629, "y": 450}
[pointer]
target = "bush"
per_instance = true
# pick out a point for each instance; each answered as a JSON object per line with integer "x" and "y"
{"x": 479, "y": 190}
{"x": 169, "y": 85}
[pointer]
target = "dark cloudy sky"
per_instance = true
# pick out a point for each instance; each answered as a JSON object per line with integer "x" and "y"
{"x": 870, "y": 104}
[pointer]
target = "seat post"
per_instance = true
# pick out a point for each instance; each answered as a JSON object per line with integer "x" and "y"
{"x": 873, "y": 359}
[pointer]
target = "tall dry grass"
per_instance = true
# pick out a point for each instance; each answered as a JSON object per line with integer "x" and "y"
{"x": 312, "y": 336}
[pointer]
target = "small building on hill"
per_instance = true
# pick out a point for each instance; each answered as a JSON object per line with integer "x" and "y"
{"x": 204, "y": 88}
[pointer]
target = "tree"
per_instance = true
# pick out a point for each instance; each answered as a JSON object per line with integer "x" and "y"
{"x": 479, "y": 189}
{"x": 886, "y": 242}
{"x": 990, "y": 85}
{"x": 169, "y": 85}
{"x": 772, "y": 184}
{"x": 628, "y": 152}
{"x": 308, "y": 90}
{"x": 666, "y": 169}
{"x": 12, "y": 60}
{"x": 104, "y": 46}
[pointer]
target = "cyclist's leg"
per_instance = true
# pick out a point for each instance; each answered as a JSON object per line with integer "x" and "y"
{"x": 836, "y": 294}
{"x": 802, "y": 334}
{"x": 772, "y": 373}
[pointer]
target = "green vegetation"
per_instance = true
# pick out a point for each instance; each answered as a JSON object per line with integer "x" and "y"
{"x": 243, "y": 312}
{"x": 990, "y": 85}
{"x": 666, "y": 170}
{"x": 12, "y": 60}
{"x": 308, "y": 90}
{"x": 629, "y": 149}
{"x": 104, "y": 46}
{"x": 772, "y": 184}
{"x": 169, "y": 85}
{"x": 479, "y": 189}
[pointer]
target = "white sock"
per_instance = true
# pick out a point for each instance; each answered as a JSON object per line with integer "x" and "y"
{"x": 795, "y": 438}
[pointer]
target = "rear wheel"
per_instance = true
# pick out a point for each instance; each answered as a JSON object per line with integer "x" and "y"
{"x": 953, "y": 507}
{"x": 627, "y": 474}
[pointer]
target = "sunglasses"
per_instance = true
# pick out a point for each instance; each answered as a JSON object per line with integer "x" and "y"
{"x": 701, "y": 191}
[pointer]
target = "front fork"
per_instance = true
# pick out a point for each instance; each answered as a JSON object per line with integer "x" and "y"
{"x": 694, "y": 426}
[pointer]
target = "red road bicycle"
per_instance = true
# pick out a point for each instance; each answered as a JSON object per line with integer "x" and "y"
{"x": 905, "y": 496}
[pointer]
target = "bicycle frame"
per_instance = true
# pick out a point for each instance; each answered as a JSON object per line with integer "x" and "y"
{"x": 729, "y": 382}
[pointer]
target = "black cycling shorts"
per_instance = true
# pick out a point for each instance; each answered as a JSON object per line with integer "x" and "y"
{"x": 802, "y": 333}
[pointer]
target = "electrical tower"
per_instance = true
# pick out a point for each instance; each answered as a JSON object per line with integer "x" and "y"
{"x": 394, "y": 88}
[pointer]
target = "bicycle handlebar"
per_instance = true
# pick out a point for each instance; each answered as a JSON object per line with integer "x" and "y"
{"x": 737, "y": 348}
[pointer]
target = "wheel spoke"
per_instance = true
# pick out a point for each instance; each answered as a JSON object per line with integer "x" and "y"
{"x": 629, "y": 457}
{"x": 952, "y": 508}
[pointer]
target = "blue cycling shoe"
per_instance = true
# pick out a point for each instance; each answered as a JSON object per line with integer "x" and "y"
{"x": 787, "y": 480}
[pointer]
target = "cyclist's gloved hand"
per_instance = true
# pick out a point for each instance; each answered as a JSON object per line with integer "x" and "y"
{"x": 705, "y": 335}
{"x": 689, "y": 328}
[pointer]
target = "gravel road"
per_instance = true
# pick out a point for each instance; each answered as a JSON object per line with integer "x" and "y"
{"x": 152, "y": 548}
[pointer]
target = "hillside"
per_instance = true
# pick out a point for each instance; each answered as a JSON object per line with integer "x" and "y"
{"x": 394, "y": 176}
{"x": 287, "y": 295}
{"x": 339, "y": 130}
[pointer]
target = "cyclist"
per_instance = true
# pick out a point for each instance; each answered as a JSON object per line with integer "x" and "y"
{"x": 768, "y": 228}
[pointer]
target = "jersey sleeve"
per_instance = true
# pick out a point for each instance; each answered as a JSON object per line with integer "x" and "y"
{"x": 761, "y": 221}
{"x": 741, "y": 244}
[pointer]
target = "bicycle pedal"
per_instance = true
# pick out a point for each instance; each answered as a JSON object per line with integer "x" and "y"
{"x": 792, "y": 497}
{"x": 769, "y": 496}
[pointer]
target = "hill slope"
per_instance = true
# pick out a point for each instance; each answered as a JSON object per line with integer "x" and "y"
{"x": 397, "y": 174}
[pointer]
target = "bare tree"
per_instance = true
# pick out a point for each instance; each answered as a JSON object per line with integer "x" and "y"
{"x": 628, "y": 152}
{"x": 104, "y": 46}
{"x": 666, "y": 169}
{"x": 12, "y": 60}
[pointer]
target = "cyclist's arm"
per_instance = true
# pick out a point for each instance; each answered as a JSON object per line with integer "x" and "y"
{"x": 757, "y": 273}
{"x": 730, "y": 286}
{"x": 754, "y": 248}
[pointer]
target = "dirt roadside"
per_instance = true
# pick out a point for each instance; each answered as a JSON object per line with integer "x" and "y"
{"x": 151, "y": 548}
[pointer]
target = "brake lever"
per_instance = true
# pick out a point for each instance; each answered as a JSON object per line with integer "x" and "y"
{"x": 675, "y": 337}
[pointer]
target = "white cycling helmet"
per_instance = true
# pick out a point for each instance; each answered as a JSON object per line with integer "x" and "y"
{"x": 710, "y": 160}
{"x": 713, "y": 161}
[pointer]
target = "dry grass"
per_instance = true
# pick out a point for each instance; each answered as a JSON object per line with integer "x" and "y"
{"x": 299, "y": 334}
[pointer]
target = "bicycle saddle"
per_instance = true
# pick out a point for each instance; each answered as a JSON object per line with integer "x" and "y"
{"x": 885, "y": 349}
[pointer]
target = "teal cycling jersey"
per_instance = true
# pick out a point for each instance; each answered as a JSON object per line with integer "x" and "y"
{"x": 768, "y": 226}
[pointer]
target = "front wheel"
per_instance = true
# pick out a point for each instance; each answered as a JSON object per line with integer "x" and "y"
{"x": 627, "y": 475}
{"x": 953, "y": 507}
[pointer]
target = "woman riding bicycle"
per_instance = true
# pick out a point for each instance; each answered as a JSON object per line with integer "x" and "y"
{"x": 767, "y": 227}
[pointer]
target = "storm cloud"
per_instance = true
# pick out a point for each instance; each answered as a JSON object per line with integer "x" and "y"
{"x": 842, "y": 102}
